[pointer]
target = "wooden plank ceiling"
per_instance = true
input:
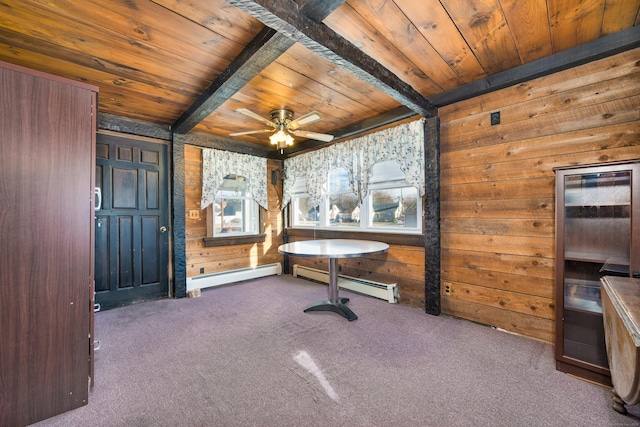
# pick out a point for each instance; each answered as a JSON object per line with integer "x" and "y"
{"x": 360, "y": 63}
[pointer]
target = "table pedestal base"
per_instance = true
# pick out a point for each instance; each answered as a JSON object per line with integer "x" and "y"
{"x": 336, "y": 307}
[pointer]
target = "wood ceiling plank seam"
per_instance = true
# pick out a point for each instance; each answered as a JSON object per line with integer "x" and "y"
{"x": 339, "y": 79}
{"x": 484, "y": 27}
{"x": 433, "y": 22}
{"x": 388, "y": 19}
{"x": 217, "y": 16}
{"x": 328, "y": 98}
{"x": 103, "y": 79}
{"x": 21, "y": 46}
{"x": 127, "y": 96}
{"x": 526, "y": 22}
{"x": 323, "y": 41}
{"x": 365, "y": 37}
{"x": 573, "y": 25}
{"x": 88, "y": 40}
{"x": 147, "y": 24}
{"x": 263, "y": 102}
{"x": 618, "y": 15}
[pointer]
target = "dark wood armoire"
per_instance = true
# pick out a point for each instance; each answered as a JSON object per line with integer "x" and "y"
{"x": 47, "y": 166}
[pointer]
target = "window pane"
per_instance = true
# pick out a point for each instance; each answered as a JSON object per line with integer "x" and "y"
{"x": 387, "y": 171}
{"x": 338, "y": 180}
{"x": 344, "y": 210}
{"x": 235, "y": 216}
{"x": 394, "y": 207}
{"x": 234, "y": 186}
{"x": 306, "y": 214}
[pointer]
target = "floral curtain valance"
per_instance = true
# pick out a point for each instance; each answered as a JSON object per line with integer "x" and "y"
{"x": 216, "y": 164}
{"x": 404, "y": 143}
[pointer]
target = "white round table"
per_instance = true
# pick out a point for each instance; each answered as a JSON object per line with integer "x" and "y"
{"x": 333, "y": 249}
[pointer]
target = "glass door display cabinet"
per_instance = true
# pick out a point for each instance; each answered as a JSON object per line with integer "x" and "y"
{"x": 597, "y": 232}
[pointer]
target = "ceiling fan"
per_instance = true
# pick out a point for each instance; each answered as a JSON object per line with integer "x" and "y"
{"x": 283, "y": 125}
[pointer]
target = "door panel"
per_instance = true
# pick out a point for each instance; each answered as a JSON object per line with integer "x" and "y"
{"x": 132, "y": 256}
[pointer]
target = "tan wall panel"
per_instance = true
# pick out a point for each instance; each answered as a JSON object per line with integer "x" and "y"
{"x": 498, "y": 183}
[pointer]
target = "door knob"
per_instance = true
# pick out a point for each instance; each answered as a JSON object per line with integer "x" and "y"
{"x": 163, "y": 229}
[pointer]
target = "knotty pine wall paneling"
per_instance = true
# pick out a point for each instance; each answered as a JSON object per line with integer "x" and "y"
{"x": 216, "y": 259}
{"x": 497, "y": 185}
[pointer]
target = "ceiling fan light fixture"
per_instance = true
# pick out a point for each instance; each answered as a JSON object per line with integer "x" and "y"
{"x": 285, "y": 127}
{"x": 281, "y": 139}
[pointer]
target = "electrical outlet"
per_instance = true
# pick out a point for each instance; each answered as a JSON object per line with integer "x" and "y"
{"x": 495, "y": 118}
{"x": 194, "y": 214}
{"x": 448, "y": 287}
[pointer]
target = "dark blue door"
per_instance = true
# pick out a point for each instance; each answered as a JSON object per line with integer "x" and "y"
{"x": 132, "y": 236}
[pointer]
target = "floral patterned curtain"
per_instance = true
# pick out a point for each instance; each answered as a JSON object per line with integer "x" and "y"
{"x": 216, "y": 164}
{"x": 404, "y": 143}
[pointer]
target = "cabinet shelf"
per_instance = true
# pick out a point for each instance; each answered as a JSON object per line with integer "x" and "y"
{"x": 582, "y": 295}
{"x": 599, "y": 205}
{"x": 594, "y": 257}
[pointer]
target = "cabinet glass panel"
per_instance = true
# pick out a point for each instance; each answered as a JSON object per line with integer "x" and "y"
{"x": 597, "y": 233}
{"x": 597, "y": 229}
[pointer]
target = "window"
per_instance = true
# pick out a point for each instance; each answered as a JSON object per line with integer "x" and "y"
{"x": 234, "y": 212}
{"x": 391, "y": 205}
{"x": 391, "y": 202}
{"x": 303, "y": 212}
{"x": 342, "y": 205}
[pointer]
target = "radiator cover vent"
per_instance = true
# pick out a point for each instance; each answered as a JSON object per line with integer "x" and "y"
{"x": 232, "y": 276}
{"x": 385, "y": 291}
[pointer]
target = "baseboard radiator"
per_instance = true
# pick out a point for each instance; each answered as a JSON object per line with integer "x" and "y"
{"x": 385, "y": 291}
{"x": 232, "y": 276}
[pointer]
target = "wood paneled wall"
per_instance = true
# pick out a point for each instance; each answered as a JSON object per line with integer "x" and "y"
{"x": 497, "y": 185}
{"x": 223, "y": 258}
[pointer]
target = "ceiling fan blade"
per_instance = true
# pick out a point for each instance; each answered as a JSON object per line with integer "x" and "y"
{"x": 311, "y": 117}
{"x": 313, "y": 135}
{"x": 255, "y": 116}
{"x": 250, "y": 132}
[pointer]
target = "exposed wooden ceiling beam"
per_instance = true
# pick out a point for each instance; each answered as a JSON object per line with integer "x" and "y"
{"x": 597, "y": 49}
{"x": 265, "y": 48}
{"x": 318, "y": 10}
{"x": 283, "y": 16}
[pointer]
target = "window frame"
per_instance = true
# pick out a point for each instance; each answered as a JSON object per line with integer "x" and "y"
{"x": 223, "y": 239}
{"x": 385, "y": 181}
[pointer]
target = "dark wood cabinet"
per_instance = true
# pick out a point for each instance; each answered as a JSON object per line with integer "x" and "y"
{"x": 47, "y": 163}
{"x": 597, "y": 232}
